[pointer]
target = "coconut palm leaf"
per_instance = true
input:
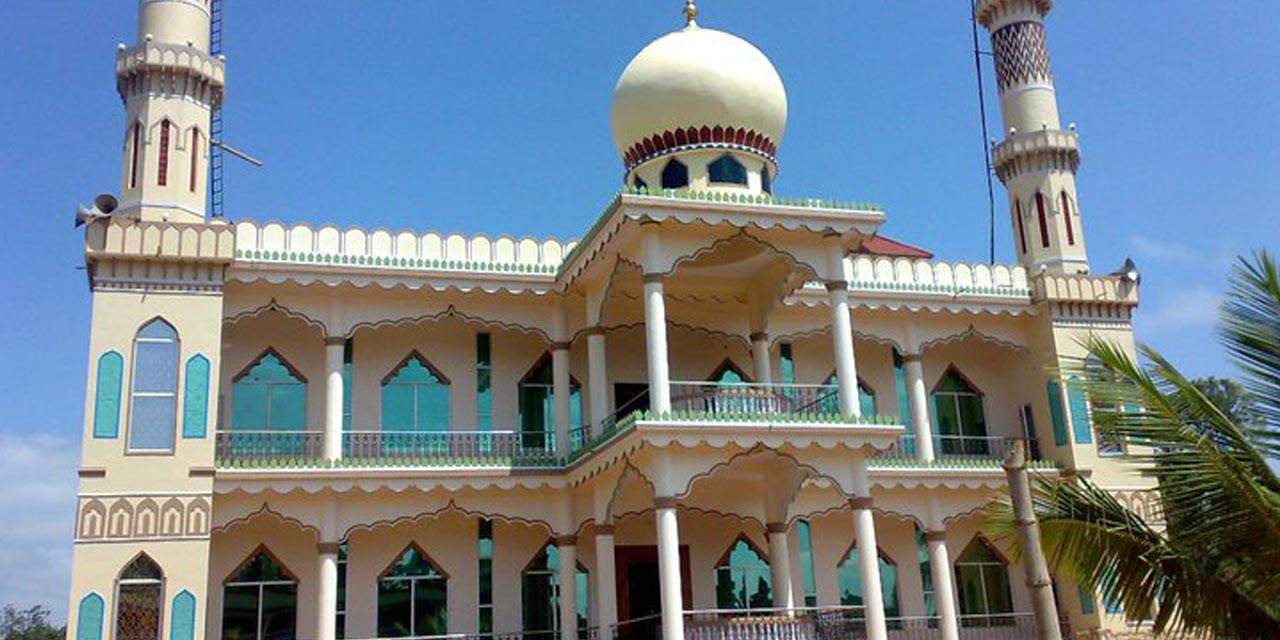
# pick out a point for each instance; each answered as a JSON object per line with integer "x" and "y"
{"x": 1251, "y": 334}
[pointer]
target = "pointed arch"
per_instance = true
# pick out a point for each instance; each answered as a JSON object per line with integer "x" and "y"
{"x": 412, "y": 596}
{"x": 866, "y": 396}
{"x": 850, "y": 580}
{"x": 415, "y": 396}
{"x": 260, "y": 599}
{"x": 162, "y": 168}
{"x": 743, "y": 577}
{"x": 727, "y": 169}
{"x": 982, "y": 579}
{"x": 1042, "y": 218}
{"x": 1065, "y": 201}
{"x": 541, "y": 590}
{"x": 675, "y": 175}
{"x": 153, "y": 395}
{"x": 138, "y": 602}
{"x": 728, "y": 372}
{"x": 182, "y": 620}
{"x": 537, "y": 406}
{"x": 107, "y": 392}
{"x": 269, "y": 394}
{"x": 135, "y": 154}
{"x": 959, "y": 409}
{"x": 89, "y": 617}
{"x": 1022, "y": 231}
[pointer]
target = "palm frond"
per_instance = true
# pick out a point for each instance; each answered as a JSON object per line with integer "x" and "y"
{"x": 1250, "y": 331}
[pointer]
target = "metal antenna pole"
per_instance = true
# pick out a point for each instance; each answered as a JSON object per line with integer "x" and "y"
{"x": 986, "y": 149}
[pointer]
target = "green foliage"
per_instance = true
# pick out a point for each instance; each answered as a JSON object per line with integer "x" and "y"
{"x": 28, "y": 624}
{"x": 1209, "y": 567}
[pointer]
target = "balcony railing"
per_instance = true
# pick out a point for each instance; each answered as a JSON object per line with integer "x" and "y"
{"x": 742, "y": 398}
{"x": 950, "y": 447}
{"x": 416, "y": 448}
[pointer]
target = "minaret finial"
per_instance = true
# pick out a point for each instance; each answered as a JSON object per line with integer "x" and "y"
{"x": 690, "y": 12}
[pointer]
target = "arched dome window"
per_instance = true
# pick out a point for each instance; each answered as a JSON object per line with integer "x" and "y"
{"x": 727, "y": 170}
{"x": 766, "y": 180}
{"x": 640, "y": 184}
{"x": 675, "y": 175}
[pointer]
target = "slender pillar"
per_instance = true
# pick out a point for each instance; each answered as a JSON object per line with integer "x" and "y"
{"x": 568, "y": 547}
{"x": 943, "y": 587}
{"x": 669, "y": 568}
{"x": 606, "y": 581}
{"x": 655, "y": 325}
{"x": 1033, "y": 561}
{"x": 597, "y": 369}
{"x": 333, "y": 350}
{"x": 562, "y": 392}
{"x": 327, "y": 597}
{"x": 780, "y": 566}
{"x": 760, "y": 357}
{"x": 842, "y": 336}
{"x": 864, "y": 531}
{"x": 918, "y": 398}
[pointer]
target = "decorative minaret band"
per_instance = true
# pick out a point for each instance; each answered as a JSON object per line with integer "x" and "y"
{"x": 169, "y": 84}
{"x": 1037, "y": 161}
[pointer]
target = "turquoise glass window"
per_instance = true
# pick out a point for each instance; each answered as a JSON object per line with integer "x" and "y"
{"x": 195, "y": 398}
{"x": 540, "y": 596}
{"x": 484, "y": 382}
{"x": 1054, "y": 391}
{"x": 106, "y": 403}
{"x": 926, "y": 574}
{"x": 804, "y": 540}
{"x": 348, "y": 369}
{"x": 866, "y": 398}
{"x": 900, "y": 388}
{"x": 153, "y": 412}
{"x": 260, "y": 601}
{"x": 269, "y": 396}
{"x": 675, "y": 175}
{"x": 960, "y": 416}
{"x": 536, "y": 395}
{"x": 850, "y": 580}
{"x": 766, "y": 180}
{"x": 413, "y": 598}
{"x": 727, "y": 170}
{"x": 983, "y": 580}
{"x": 786, "y": 364}
{"x": 89, "y": 618}
{"x": 743, "y": 579}
{"x": 415, "y": 398}
{"x": 1078, "y": 404}
{"x": 182, "y": 621}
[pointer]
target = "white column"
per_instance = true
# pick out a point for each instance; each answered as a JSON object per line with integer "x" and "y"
{"x": 606, "y": 604}
{"x": 333, "y": 355}
{"x": 655, "y": 326}
{"x": 561, "y": 391}
{"x": 780, "y": 566}
{"x": 669, "y": 568}
{"x": 568, "y": 547}
{"x": 864, "y": 531}
{"x": 597, "y": 371}
{"x": 327, "y": 598}
{"x": 760, "y": 357}
{"x": 943, "y": 589}
{"x": 918, "y": 398}
{"x": 842, "y": 336}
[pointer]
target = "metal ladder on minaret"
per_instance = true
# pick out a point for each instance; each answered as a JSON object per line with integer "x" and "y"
{"x": 215, "y": 126}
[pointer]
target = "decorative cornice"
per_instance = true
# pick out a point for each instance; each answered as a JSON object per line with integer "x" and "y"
{"x": 695, "y": 138}
{"x": 1036, "y": 151}
{"x": 156, "y": 65}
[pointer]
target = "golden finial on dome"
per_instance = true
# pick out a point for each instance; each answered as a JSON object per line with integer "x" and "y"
{"x": 690, "y": 12}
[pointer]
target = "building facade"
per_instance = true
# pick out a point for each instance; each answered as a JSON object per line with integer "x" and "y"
{"x": 718, "y": 412}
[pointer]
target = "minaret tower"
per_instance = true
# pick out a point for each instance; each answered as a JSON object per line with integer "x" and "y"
{"x": 170, "y": 86}
{"x": 1037, "y": 161}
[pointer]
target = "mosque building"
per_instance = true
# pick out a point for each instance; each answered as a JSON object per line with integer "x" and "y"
{"x": 719, "y": 413}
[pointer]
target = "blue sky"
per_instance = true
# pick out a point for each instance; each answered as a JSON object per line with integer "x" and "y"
{"x": 492, "y": 116}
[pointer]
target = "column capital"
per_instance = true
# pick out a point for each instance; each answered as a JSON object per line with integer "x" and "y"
{"x": 328, "y": 548}
{"x": 836, "y": 285}
{"x": 605, "y": 529}
{"x": 776, "y": 527}
{"x": 935, "y": 536}
{"x": 593, "y": 330}
{"x": 335, "y": 341}
{"x": 665, "y": 502}
{"x": 912, "y": 357}
{"x": 651, "y": 278}
{"x": 861, "y": 502}
{"x": 566, "y": 540}
{"x": 759, "y": 336}
{"x": 560, "y": 346}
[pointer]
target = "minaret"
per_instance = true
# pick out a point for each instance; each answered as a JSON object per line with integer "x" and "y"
{"x": 1037, "y": 161}
{"x": 170, "y": 86}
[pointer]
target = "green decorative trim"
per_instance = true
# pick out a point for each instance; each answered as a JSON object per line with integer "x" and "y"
{"x": 388, "y": 262}
{"x": 954, "y": 290}
{"x": 756, "y": 199}
{"x": 772, "y": 418}
{"x": 953, "y": 463}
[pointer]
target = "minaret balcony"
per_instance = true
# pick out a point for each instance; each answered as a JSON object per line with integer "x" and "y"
{"x": 135, "y": 64}
{"x": 1036, "y": 151}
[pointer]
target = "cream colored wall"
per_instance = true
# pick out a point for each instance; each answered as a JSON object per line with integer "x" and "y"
{"x": 1003, "y": 376}
{"x": 292, "y": 547}
{"x": 699, "y": 178}
{"x": 300, "y": 344}
{"x": 95, "y": 569}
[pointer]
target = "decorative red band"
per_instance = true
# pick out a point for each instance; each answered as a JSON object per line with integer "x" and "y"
{"x": 860, "y": 502}
{"x": 566, "y": 541}
{"x": 328, "y": 548}
{"x": 715, "y": 137}
{"x": 935, "y": 536}
{"x": 559, "y": 346}
{"x": 334, "y": 341}
{"x": 759, "y": 335}
{"x": 665, "y": 502}
{"x": 837, "y": 285}
{"x": 605, "y": 529}
{"x": 776, "y": 527}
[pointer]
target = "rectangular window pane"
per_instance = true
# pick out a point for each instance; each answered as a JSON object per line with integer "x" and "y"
{"x": 433, "y": 407}
{"x": 999, "y": 599}
{"x": 394, "y": 609}
{"x": 430, "y": 608}
{"x": 152, "y": 424}
{"x": 249, "y": 407}
{"x": 240, "y": 613}
{"x": 288, "y": 407}
{"x": 156, "y": 367}
{"x": 397, "y": 407}
{"x": 279, "y": 611}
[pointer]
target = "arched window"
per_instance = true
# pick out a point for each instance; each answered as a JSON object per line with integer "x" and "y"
{"x": 960, "y": 416}
{"x": 983, "y": 580}
{"x": 162, "y": 174}
{"x": 1043, "y": 219}
{"x": 866, "y": 397}
{"x": 153, "y": 396}
{"x": 1066, "y": 218}
{"x": 728, "y": 373}
{"x": 804, "y": 542}
{"x": 675, "y": 175}
{"x": 413, "y": 597}
{"x": 1022, "y": 231}
{"x": 538, "y": 404}
{"x": 743, "y": 579}
{"x": 269, "y": 395}
{"x": 415, "y": 397}
{"x": 139, "y": 593}
{"x": 766, "y": 180}
{"x": 850, "y": 577}
{"x": 540, "y": 596}
{"x": 640, "y": 184}
{"x": 727, "y": 170}
{"x": 195, "y": 159}
{"x": 135, "y": 153}
{"x": 260, "y": 600}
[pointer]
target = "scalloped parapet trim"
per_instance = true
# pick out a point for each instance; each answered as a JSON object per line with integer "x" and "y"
{"x": 924, "y": 277}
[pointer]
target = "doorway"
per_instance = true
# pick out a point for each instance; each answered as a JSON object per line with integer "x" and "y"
{"x": 639, "y": 593}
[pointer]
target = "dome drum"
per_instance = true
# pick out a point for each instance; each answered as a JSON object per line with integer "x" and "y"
{"x": 699, "y": 138}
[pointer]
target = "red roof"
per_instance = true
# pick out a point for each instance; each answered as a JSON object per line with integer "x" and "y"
{"x": 882, "y": 246}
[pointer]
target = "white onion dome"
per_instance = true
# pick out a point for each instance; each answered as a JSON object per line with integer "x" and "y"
{"x": 696, "y": 89}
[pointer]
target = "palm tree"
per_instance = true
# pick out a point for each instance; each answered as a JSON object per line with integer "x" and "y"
{"x": 1212, "y": 567}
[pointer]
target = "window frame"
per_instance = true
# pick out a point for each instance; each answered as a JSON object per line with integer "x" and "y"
{"x": 662, "y": 175}
{"x": 123, "y": 582}
{"x": 961, "y": 434}
{"x": 987, "y": 614}
{"x": 129, "y": 449}
{"x": 575, "y": 390}
{"x": 229, "y": 581}
{"x": 556, "y": 589}
{"x": 435, "y": 371}
{"x": 736, "y": 164}
{"x": 722, "y": 564}
{"x": 302, "y": 380}
{"x": 881, "y": 557}
{"x": 413, "y": 581}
